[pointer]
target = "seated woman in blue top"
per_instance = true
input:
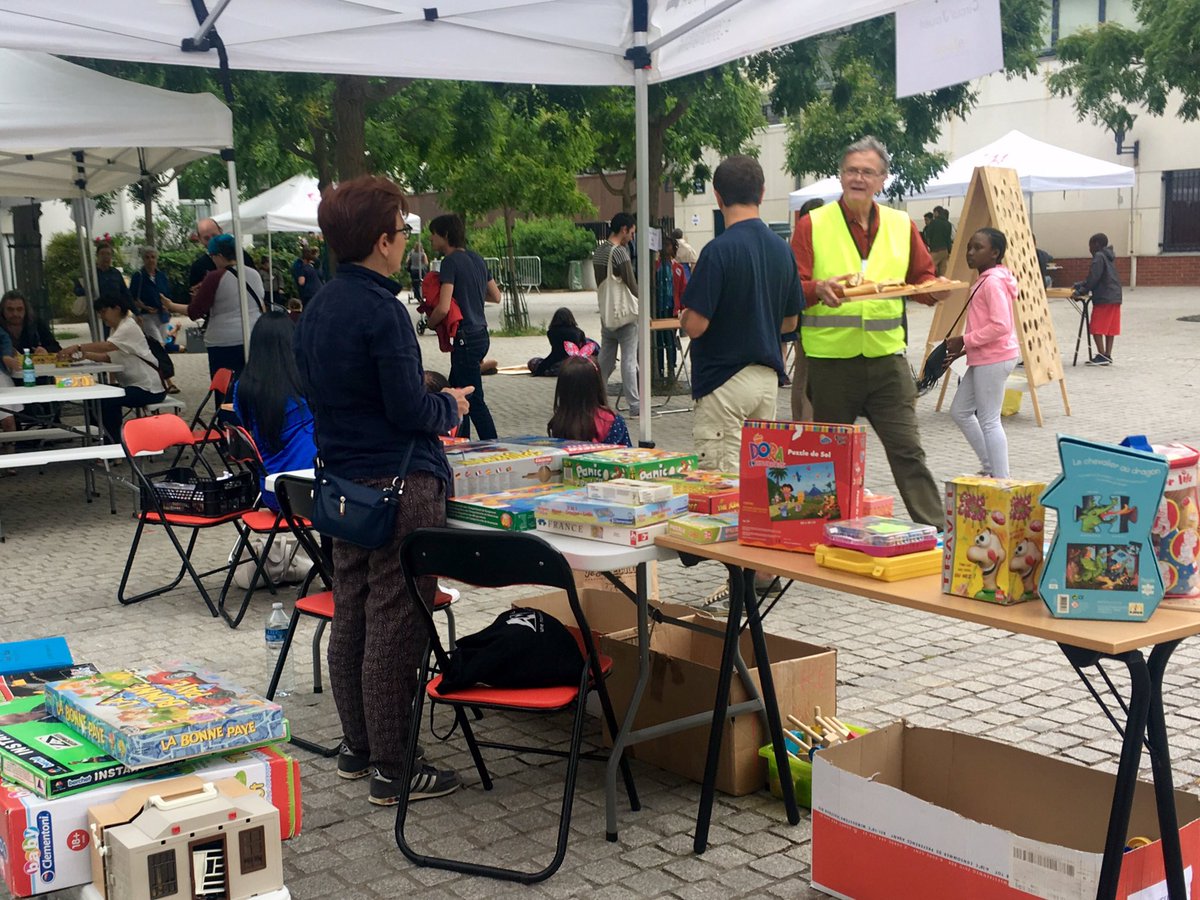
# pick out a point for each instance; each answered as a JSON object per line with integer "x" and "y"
{"x": 269, "y": 401}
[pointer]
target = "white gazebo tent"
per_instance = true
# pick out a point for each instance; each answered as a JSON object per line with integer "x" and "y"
{"x": 590, "y": 42}
{"x": 1040, "y": 167}
{"x": 73, "y": 133}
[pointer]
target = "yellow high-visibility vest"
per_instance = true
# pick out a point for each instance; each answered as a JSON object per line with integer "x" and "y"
{"x": 860, "y": 327}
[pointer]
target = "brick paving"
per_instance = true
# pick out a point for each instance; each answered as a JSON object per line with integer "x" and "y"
{"x": 63, "y": 559}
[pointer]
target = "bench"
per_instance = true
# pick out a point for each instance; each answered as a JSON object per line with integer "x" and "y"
{"x": 96, "y": 452}
{"x": 46, "y": 434}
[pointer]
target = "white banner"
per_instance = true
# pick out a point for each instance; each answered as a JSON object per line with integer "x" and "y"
{"x": 944, "y": 42}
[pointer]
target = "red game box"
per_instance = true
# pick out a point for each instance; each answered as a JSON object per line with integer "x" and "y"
{"x": 795, "y": 477}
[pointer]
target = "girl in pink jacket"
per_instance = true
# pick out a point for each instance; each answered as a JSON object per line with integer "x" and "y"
{"x": 990, "y": 343}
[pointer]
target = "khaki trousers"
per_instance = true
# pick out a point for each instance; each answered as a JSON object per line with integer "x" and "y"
{"x": 717, "y": 421}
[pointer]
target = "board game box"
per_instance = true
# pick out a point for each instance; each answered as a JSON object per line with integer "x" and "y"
{"x": 45, "y": 845}
{"x": 795, "y": 477}
{"x": 572, "y": 448}
{"x": 576, "y": 506}
{"x": 628, "y": 462}
{"x": 486, "y": 467}
{"x": 145, "y": 717}
{"x": 630, "y": 491}
{"x": 711, "y": 493}
{"x": 609, "y": 534}
{"x": 993, "y": 544}
{"x": 699, "y": 528}
{"x": 509, "y": 510}
{"x": 1101, "y": 563}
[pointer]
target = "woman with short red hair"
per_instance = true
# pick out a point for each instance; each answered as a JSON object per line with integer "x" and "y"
{"x": 361, "y": 368}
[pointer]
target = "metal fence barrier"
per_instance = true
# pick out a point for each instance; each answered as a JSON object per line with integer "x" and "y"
{"x": 529, "y": 271}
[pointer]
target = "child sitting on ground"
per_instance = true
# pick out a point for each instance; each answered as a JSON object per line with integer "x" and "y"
{"x": 581, "y": 411}
{"x": 563, "y": 330}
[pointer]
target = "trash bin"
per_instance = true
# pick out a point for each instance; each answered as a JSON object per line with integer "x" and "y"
{"x": 195, "y": 340}
{"x": 589, "y": 276}
{"x": 575, "y": 275}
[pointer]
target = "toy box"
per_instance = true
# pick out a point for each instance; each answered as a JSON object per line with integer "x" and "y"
{"x": 878, "y": 504}
{"x": 629, "y": 491}
{"x": 609, "y": 534}
{"x": 1176, "y": 530}
{"x": 31, "y": 682}
{"x": 485, "y": 467}
{"x": 145, "y": 717}
{"x": 795, "y": 477}
{"x": 879, "y": 536}
{"x": 708, "y": 492}
{"x": 45, "y": 844}
{"x": 628, "y": 462}
{"x": 881, "y": 568}
{"x": 511, "y": 510}
{"x": 1101, "y": 564}
{"x": 571, "y": 448}
{"x": 699, "y": 528}
{"x": 995, "y": 532}
{"x": 575, "y": 506}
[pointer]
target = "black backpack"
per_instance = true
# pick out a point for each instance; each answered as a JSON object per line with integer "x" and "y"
{"x": 523, "y": 648}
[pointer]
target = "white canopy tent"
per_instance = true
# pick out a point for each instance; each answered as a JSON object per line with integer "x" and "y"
{"x": 73, "y": 133}
{"x": 290, "y": 206}
{"x": 1040, "y": 167}
{"x": 591, "y": 42}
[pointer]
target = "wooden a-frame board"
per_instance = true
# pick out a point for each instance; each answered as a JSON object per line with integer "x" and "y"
{"x": 994, "y": 199}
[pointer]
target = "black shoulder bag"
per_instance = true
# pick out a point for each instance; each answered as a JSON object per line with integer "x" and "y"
{"x": 356, "y": 513}
{"x": 935, "y": 363}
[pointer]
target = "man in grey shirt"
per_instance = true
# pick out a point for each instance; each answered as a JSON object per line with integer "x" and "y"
{"x": 614, "y": 331}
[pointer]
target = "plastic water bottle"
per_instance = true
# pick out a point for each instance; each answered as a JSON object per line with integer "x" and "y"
{"x": 28, "y": 374}
{"x": 275, "y": 633}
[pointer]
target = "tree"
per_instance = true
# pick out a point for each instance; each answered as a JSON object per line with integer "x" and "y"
{"x": 1110, "y": 69}
{"x": 840, "y": 86}
{"x": 514, "y": 162}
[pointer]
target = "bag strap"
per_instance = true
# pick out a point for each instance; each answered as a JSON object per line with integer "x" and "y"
{"x": 963, "y": 311}
{"x": 395, "y": 490}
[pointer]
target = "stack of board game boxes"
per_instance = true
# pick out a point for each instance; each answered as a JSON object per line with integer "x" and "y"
{"x": 72, "y": 737}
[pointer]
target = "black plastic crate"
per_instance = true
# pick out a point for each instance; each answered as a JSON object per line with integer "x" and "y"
{"x": 184, "y": 490}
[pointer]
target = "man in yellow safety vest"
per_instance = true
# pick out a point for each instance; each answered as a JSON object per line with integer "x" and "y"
{"x": 855, "y": 348}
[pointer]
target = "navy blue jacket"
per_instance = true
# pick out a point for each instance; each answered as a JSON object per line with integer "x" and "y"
{"x": 360, "y": 365}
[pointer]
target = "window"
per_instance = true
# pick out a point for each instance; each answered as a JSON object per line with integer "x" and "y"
{"x": 252, "y": 845}
{"x": 1181, "y": 211}
{"x": 163, "y": 880}
{"x": 1066, "y": 17}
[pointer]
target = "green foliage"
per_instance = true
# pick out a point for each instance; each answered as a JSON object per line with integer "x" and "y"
{"x": 556, "y": 241}
{"x": 1109, "y": 70}
{"x": 840, "y": 86}
{"x": 61, "y": 268}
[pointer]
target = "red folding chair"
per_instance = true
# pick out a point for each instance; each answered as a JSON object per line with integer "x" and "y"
{"x": 206, "y": 424}
{"x": 498, "y": 559}
{"x": 160, "y": 434}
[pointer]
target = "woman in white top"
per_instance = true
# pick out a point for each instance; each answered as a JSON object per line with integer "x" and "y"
{"x": 126, "y": 346}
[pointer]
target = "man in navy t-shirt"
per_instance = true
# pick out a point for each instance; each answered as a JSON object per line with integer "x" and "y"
{"x": 743, "y": 294}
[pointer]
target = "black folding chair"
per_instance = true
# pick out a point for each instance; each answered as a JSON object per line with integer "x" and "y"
{"x": 499, "y": 559}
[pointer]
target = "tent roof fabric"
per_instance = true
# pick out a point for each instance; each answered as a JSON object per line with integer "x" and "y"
{"x": 1040, "y": 167}
{"x": 52, "y": 110}
{"x": 289, "y": 206}
{"x": 519, "y": 41}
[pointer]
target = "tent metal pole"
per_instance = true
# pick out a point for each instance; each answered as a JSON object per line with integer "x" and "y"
{"x": 92, "y": 279}
{"x": 209, "y": 23}
{"x": 6, "y": 276}
{"x": 270, "y": 268}
{"x": 231, "y": 166}
{"x": 641, "y": 100}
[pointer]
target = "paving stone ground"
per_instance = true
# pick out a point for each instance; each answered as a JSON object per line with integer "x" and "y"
{"x": 63, "y": 559}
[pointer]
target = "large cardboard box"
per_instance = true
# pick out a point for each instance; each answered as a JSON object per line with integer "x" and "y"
{"x": 906, "y": 813}
{"x": 795, "y": 477}
{"x": 607, "y": 610}
{"x": 44, "y": 844}
{"x": 683, "y": 681}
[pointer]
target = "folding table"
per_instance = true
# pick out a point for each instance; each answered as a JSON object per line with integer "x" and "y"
{"x": 1084, "y": 643}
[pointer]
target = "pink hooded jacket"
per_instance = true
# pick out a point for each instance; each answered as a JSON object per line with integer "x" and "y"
{"x": 989, "y": 335}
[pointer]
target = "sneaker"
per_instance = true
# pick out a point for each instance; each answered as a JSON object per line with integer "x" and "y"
{"x": 1104, "y": 360}
{"x": 352, "y": 765}
{"x": 717, "y": 602}
{"x": 767, "y": 586}
{"x": 427, "y": 783}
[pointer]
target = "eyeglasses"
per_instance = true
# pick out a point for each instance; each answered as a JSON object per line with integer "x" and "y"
{"x": 865, "y": 173}
{"x": 404, "y": 229}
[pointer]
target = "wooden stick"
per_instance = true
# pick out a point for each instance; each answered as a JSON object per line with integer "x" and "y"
{"x": 829, "y": 726}
{"x": 846, "y": 728}
{"x": 795, "y": 736}
{"x": 810, "y": 732}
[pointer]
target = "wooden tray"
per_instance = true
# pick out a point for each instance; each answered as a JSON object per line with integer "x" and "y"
{"x": 1063, "y": 293}
{"x": 869, "y": 292}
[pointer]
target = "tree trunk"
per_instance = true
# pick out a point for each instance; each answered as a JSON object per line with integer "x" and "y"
{"x": 349, "y": 122}
{"x": 147, "y": 187}
{"x": 515, "y": 313}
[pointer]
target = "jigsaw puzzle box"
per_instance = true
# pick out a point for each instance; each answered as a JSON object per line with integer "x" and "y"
{"x": 795, "y": 477}
{"x": 995, "y": 532}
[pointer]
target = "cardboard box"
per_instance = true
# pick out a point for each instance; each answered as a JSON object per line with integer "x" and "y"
{"x": 627, "y": 576}
{"x": 704, "y": 529}
{"x": 941, "y": 814}
{"x": 575, "y": 506}
{"x": 44, "y": 844}
{"x": 512, "y": 510}
{"x": 683, "y": 681}
{"x": 795, "y": 477}
{"x": 629, "y": 462}
{"x": 629, "y": 491}
{"x": 485, "y": 467}
{"x": 608, "y": 534}
{"x": 1101, "y": 564}
{"x": 995, "y": 531}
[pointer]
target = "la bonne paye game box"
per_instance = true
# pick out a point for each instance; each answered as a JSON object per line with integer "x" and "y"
{"x": 795, "y": 477}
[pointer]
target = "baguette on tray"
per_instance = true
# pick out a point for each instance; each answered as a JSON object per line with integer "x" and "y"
{"x": 856, "y": 287}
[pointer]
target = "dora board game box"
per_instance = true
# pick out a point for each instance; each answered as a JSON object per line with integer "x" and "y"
{"x": 145, "y": 717}
{"x": 795, "y": 477}
{"x": 995, "y": 531}
{"x": 485, "y": 467}
{"x": 510, "y": 510}
{"x": 1101, "y": 563}
{"x": 627, "y": 462}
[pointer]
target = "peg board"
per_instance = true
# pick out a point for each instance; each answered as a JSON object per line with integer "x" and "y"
{"x": 994, "y": 199}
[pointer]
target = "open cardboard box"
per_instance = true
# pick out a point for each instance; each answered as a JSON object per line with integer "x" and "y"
{"x": 942, "y": 814}
{"x": 683, "y": 681}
